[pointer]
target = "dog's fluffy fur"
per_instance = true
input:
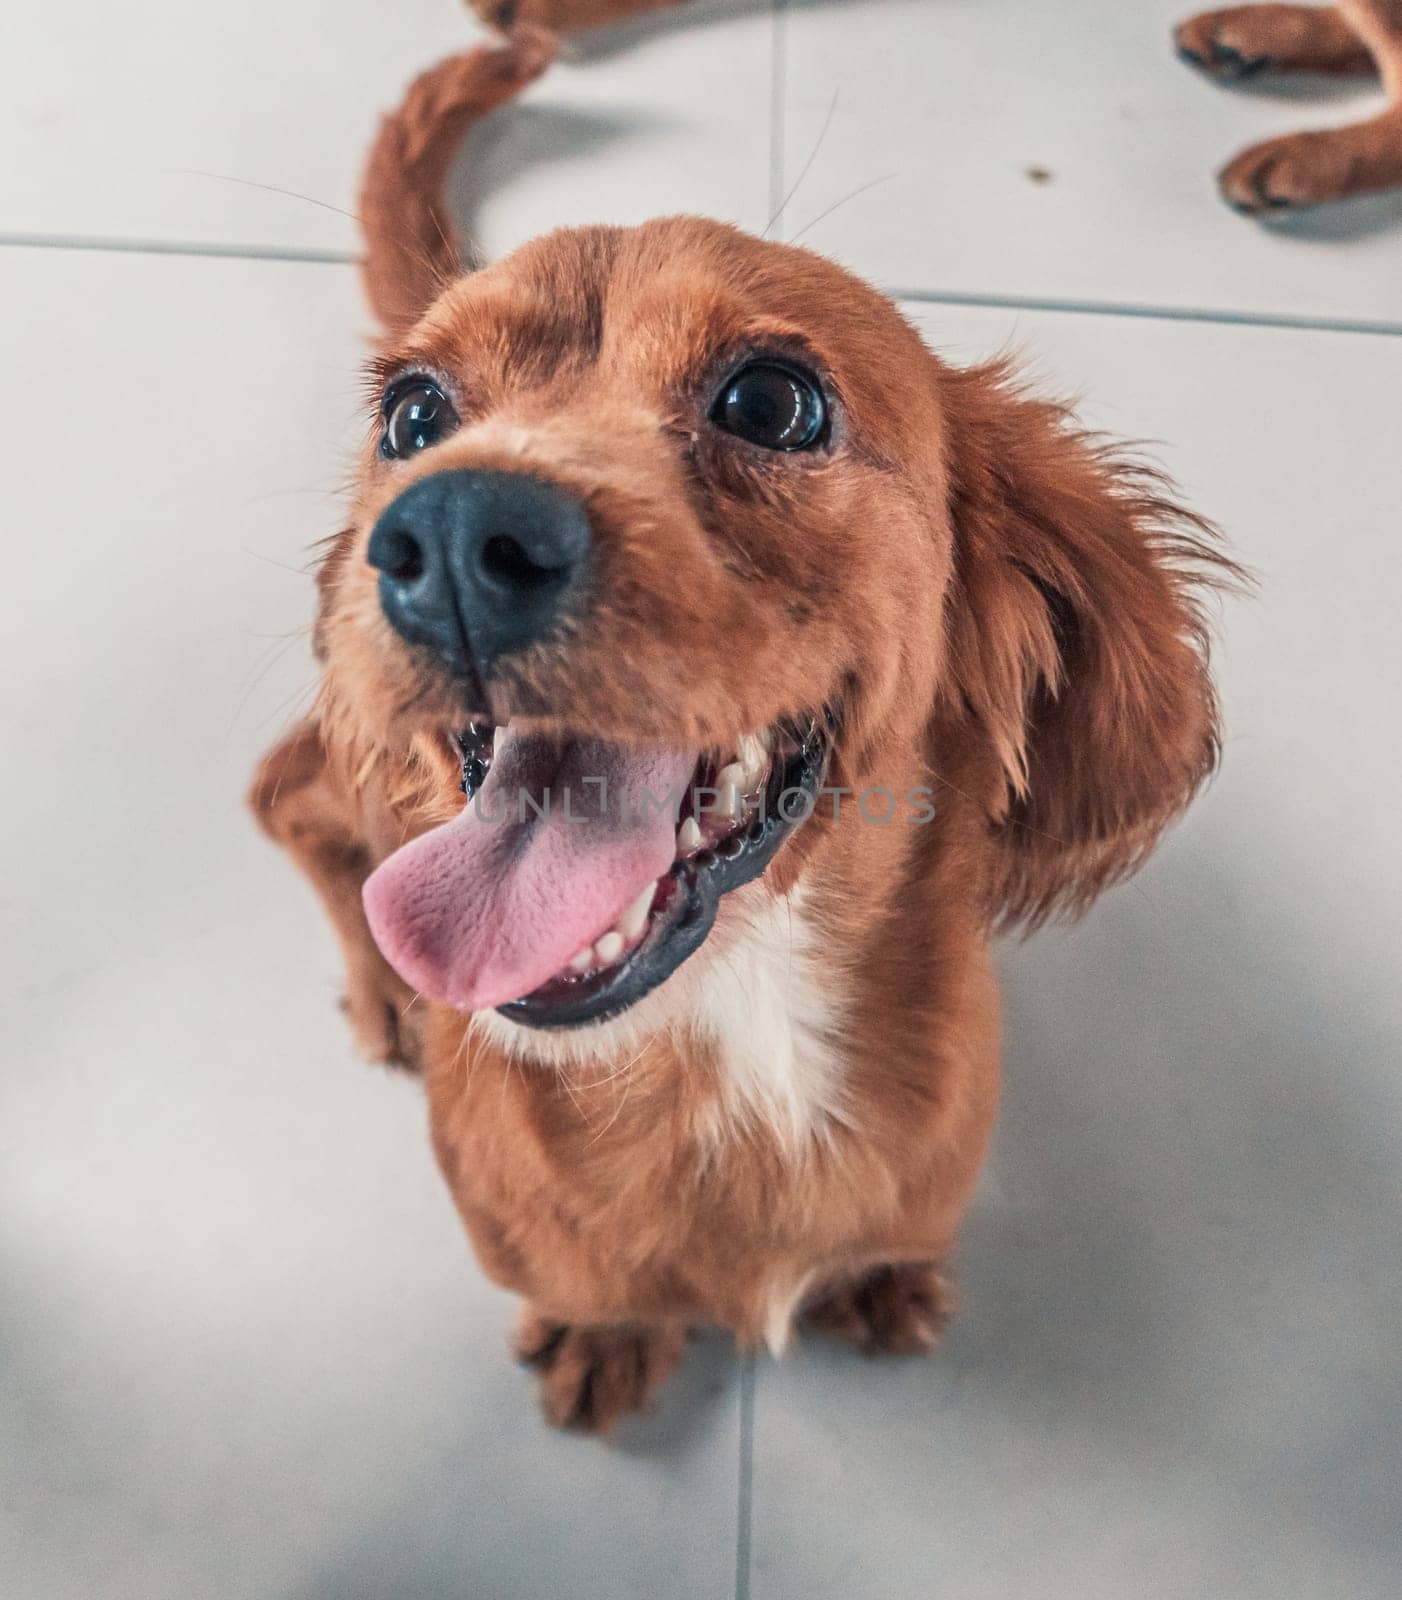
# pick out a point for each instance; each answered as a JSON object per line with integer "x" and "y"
{"x": 1004, "y": 609}
{"x": 1352, "y": 38}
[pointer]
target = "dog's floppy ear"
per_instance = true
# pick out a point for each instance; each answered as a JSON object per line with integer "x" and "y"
{"x": 1078, "y": 648}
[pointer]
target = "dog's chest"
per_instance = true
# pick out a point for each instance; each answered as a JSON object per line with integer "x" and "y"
{"x": 775, "y": 1019}
{"x": 771, "y": 1023}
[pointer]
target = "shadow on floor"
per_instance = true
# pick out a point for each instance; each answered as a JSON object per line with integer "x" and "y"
{"x": 1178, "y": 1266}
{"x": 425, "y": 1540}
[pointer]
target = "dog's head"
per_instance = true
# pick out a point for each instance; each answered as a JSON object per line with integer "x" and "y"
{"x": 692, "y": 526}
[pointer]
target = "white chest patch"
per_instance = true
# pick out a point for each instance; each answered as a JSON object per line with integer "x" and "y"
{"x": 772, "y": 1010}
{"x": 765, "y": 1000}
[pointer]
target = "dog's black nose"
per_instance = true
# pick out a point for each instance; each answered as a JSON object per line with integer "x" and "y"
{"x": 478, "y": 565}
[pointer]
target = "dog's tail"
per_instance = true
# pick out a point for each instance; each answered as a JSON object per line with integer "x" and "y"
{"x": 411, "y": 248}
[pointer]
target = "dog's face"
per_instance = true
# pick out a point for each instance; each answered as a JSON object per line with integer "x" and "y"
{"x": 755, "y": 442}
{"x": 690, "y": 525}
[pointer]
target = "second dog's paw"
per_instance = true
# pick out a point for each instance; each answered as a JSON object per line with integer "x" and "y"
{"x": 591, "y": 1376}
{"x": 899, "y": 1310}
{"x": 1242, "y": 41}
{"x": 1301, "y": 169}
{"x": 560, "y": 16}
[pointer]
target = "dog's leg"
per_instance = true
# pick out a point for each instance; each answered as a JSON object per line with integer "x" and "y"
{"x": 1243, "y": 41}
{"x": 897, "y": 1310}
{"x": 1303, "y": 169}
{"x": 589, "y": 1377}
{"x": 1379, "y": 24}
{"x": 299, "y": 802}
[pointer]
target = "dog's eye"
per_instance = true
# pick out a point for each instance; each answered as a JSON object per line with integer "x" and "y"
{"x": 417, "y": 415}
{"x": 778, "y": 408}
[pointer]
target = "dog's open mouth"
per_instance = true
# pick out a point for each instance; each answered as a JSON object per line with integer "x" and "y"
{"x": 580, "y": 875}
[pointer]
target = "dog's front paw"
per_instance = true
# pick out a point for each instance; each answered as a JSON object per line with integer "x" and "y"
{"x": 377, "y": 1005}
{"x": 591, "y": 1376}
{"x": 899, "y": 1310}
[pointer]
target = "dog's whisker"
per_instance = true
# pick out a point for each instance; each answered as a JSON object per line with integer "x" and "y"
{"x": 304, "y": 571}
{"x": 861, "y": 189}
{"x": 293, "y": 710}
{"x": 617, "y": 1111}
{"x": 806, "y": 168}
{"x": 270, "y": 188}
{"x": 612, "y": 1077}
{"x": 564, "y": 1082}
{"x": 320, "y": 492}
{"x": 276, "y": 648}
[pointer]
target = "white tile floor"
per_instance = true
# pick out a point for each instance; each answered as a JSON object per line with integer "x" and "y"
{"x": 243, "y": 1351}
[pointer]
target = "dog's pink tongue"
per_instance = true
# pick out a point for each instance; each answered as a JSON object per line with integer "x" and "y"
{"x": 489, "y": 906}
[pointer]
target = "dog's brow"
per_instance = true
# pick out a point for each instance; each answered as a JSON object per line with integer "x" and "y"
{"x": 386, "y": 365}
{"x": 545, "y": 335}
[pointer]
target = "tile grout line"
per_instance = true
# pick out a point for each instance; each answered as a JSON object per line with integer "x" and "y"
{"x": 1147, "y": 313}
{"x": 1056, "y": 305}
{"x": 745, "y": 1488}
{"x": 778, "y": 111}
{"x": 175, "y": 247}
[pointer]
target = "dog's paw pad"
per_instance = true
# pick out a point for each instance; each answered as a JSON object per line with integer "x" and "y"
{"x": 589, "y": 1377}
{"x": 899, "y": 1310}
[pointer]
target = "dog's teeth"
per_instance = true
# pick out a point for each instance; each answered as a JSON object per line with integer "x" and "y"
{"x": 688, "y": 837}
{"x": 634, "y": 919}
{"x": 730, "y": 802}
{"x": 609, "y": 948}
{"x": 753, "y": 757}
{"x": 732, "y": 776}
{"x": 583, "y": 961}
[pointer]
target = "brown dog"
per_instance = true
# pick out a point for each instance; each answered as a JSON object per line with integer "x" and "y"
{"x": 1354, "y": 37}
{"x": 672, "y": 508}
